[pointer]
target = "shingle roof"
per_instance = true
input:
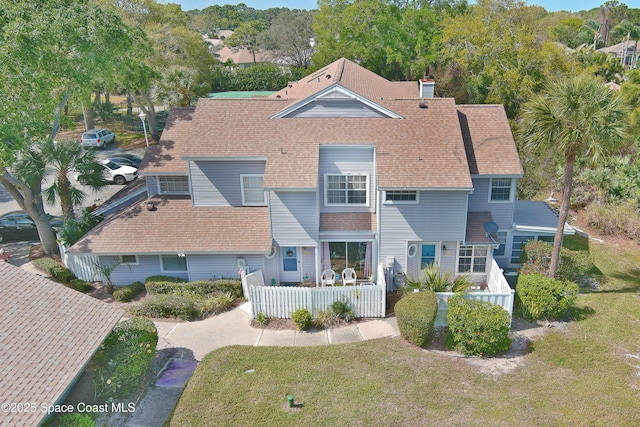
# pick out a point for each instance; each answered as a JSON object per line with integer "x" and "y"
{"x": 347, "y": 221}
{"x": 423, "y": 149}
{"x": 49, "y": 333}
{"x": 488, "y": 140}
{"x": 177, "y": 226}
{"x": 475, "y": 228}
{"x": 166, "y": 157}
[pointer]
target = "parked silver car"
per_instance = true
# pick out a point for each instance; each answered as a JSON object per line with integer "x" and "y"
{"x": 97, "y": 138}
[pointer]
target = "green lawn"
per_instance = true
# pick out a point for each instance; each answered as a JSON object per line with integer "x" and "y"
{"x": 582, "y": 375}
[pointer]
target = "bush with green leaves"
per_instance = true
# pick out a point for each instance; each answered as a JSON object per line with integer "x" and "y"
{"x": 53, "y": 268}
{"x": 127, "y": 293}
{"x": 213, "y": 304}
{"x": 343, "y": 310}
{"x": 431, "y": 278}
{"x": 74, "y": 419}
{"x": 573, "y": 265}
{"x": 124, "y": 358}
{"x": 197, "y": 287}
{"x": 302, "y": 319}
{"x": 74, "y": 229}
{"x": 81, "y": 285}
{"x": 542, "y": 297}
{"x": 416, "y": 313}
{"x": 45, "y": 263}
{"x": 477, "y": 328}
{"x": 262, "y": 319}
{"x": 167, "y": 305}
{"x": 326, "y": 319}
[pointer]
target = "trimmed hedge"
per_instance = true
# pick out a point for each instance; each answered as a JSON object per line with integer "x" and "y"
{"x": 168, "y": 305}
{"x": 198, "y": 287}
{"x": 127, "y": 293}
{"x": 158, "y": 278}
{"x": 57, "y": 271}
{"x": 477, "y": 328}
{"x": 416, "y": 314}
{"x": 124, "y": 358}
{"x": 542, "y": 297}
{"x": 81, "y": 285}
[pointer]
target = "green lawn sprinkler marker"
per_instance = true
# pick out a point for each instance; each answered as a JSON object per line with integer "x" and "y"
{"x": 290, "y": 398}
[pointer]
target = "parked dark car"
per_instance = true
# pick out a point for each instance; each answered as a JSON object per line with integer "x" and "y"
{"x": 126, "y": 159}
{"x": 18, "y": 226}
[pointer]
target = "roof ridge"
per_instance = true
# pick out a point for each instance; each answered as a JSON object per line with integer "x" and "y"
{"x": 338, "y": 76}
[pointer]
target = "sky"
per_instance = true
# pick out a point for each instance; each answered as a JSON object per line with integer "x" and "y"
{"x": 550, "y": 5}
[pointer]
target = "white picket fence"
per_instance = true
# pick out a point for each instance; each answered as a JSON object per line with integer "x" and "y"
{"x": 84, "y": 266}
{"x": 280, "y": 301}
{"x": 498, "y": 292}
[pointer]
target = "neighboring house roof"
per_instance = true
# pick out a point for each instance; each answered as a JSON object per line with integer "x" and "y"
{"x": 616, "y": 49}
{"x": 128, "y": 194}
{"x": 242, "y": 56}
{"x": 489, "y": 143}
{"x": 166, "y": 157}
{"x": 536, "y": 217}
{"x": 49, "y": 333}
{"x": 177, "y": 226}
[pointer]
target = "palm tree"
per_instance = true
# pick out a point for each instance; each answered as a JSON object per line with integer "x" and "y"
{"x": 65, "y": 157}
{"x": 627, "y": 31}
{"x": 576, "y": 116}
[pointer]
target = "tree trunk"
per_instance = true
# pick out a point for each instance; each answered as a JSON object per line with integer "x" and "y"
{"x": 146, "y": 104}
{"x": 87, "y": 113}
{"x": 129, "y": 105}
{"x": 30, "y": 200}
{"x": 64, "y": 194}
{"x": 564, "y": 213}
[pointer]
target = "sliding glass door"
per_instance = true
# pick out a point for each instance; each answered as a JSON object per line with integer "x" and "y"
{"x": 356, "y": 255}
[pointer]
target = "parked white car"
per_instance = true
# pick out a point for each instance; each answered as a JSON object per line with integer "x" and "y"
{"x": 97, "y": 138}
{"x": 113, "y": 173}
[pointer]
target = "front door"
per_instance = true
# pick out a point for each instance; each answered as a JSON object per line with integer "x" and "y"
{"x": 290, "y": 270}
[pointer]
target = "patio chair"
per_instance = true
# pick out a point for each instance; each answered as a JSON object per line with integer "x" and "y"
{"x": 348, "y": 276}
{"x": 328, "y": 278}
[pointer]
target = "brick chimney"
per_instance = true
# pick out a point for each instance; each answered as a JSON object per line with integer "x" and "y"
{"x": 427, "y": 88}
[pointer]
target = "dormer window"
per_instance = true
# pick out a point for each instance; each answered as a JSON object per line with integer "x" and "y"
{"x": 252, "y": 190}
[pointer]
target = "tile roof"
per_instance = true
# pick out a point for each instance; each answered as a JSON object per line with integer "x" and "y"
{"x": 166, "y": 157}
{"x": 49, "y": 333}
{"x": 488, "y": 140}
{"x": 177, "y": 226}
{"x": 347, "y": 221}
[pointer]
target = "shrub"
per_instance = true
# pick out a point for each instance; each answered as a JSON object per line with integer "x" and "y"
{"x": 159, "y": 278}
{"x": 326, "y": 319}
{"x": 124, "y": 358}
{"x": 544, "y": 297}
{"x": 81, "y": 285}
{"x": 416, "y": 314}
{"x": 45, "y": 263}
{"x": 302, "y": 319}
{"x": 127, "y": 293}
{"x": 536, "y": 257}
{"x": 74, "y": 419}
{"x": 343, "y": 310}
{"x": 477, "y": 327}
{"x": 179, "y": 306}
{"x": 212, "y": 304}
{"x": 198, "y": 287}
{"x": 262, "y": 319}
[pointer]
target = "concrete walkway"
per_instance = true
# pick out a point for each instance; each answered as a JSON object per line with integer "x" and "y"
{"x": 233, "y": 328}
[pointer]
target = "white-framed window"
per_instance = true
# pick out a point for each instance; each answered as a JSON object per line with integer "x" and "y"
{"x": 472, "y": 259}
{"x": 129, "y": 259}
{"x": 173, "y": 263}
{"x": 252, "y": 190}
{"x": 502, "y": 240}
{"x": 173, "y": 184}
{"x": 400, "y": 196}
{"x": 346, "y": 190}
{"x": 501, "y": 190}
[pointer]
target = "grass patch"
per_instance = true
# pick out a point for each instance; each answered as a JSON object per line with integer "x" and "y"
{"x": 580, "y": 375}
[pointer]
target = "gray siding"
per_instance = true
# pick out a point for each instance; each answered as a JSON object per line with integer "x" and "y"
{"x": 447, "y": 260}
{"x": 309, "y": 263}
{"x": 479, "y": 202}
{"x": 149, "y": 265}
{"x": 294, "y": 220}
{"x": 439, "y": 216}
{"x": 205, "y": 266}
{"x": 217, "y": 183}
{"x": 272, "y": 268}
{"x": 336, "y": 108}
{"x": 152, "y": 185}
{"x": 347, "y": 160}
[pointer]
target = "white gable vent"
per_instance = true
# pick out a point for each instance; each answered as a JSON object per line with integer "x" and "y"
{"x": 427, "y": 87}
